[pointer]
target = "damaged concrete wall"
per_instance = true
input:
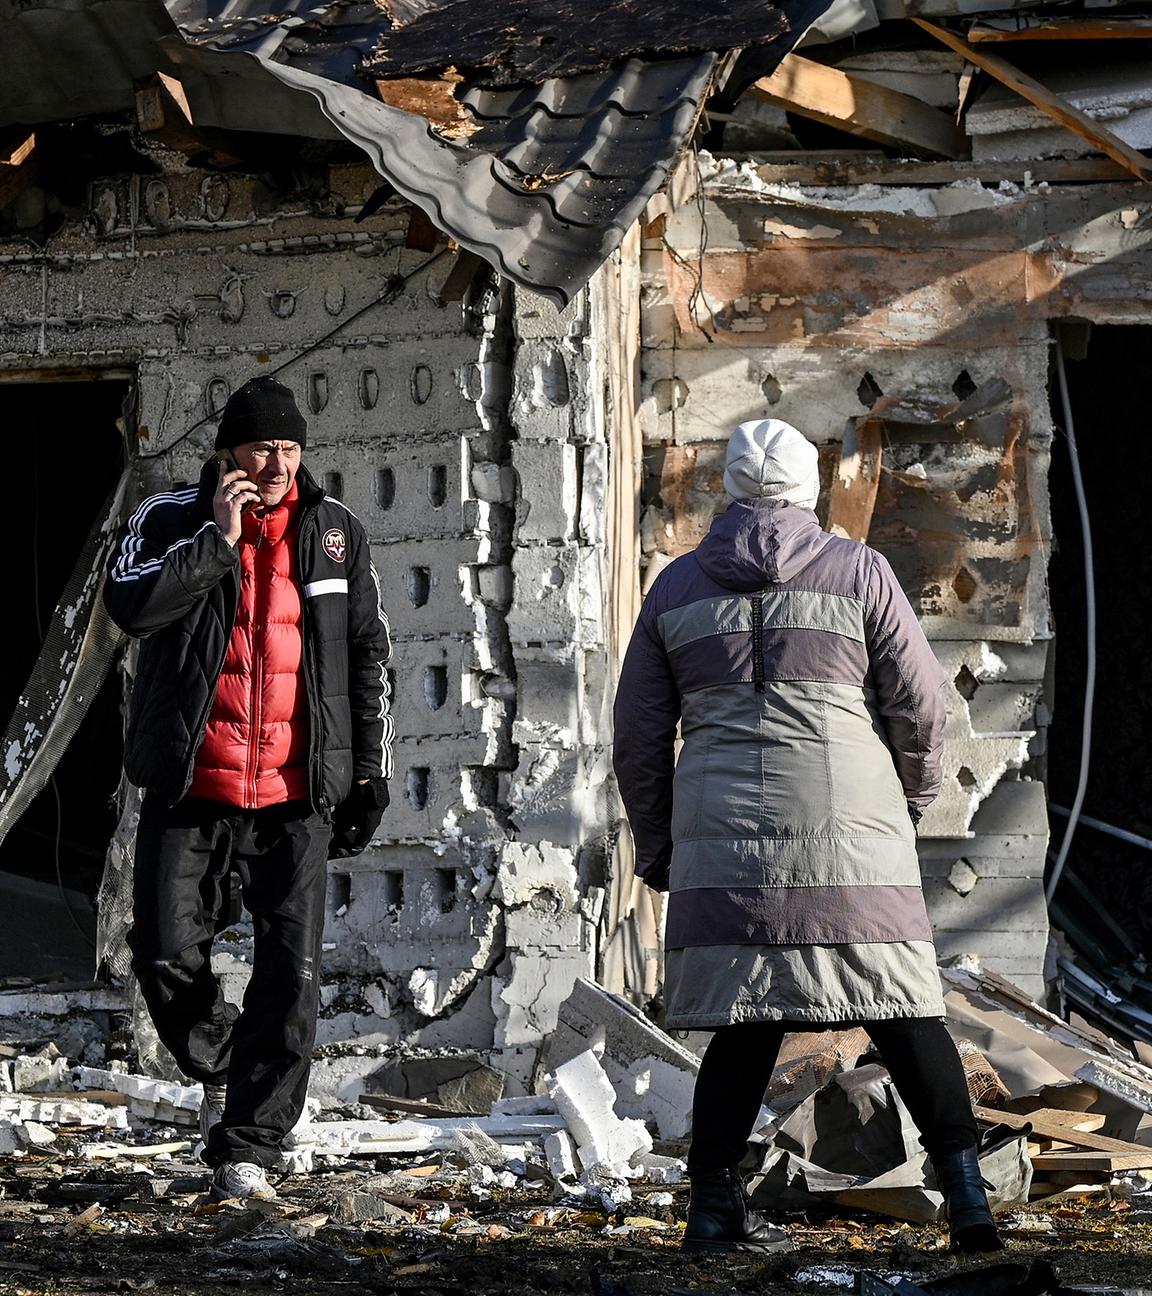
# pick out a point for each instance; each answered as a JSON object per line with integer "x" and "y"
{"x": 830, "y": 306}
{"x": 464, "y": 437}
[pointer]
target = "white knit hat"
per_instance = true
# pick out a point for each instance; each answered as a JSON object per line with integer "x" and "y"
{"x": 769, "y": 459}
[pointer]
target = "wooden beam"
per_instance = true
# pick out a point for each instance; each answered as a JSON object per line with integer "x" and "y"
{"x": 422, "y": 235}
{"x": 852, "y": 499}
{"x": 1105, "y": 1162}
{"x": 860, "y": 107}
{"x": 1039, "y": 96}
{"x": 868, "y": 169}
{"x": 164, "y": 114}
{"x": 19, "y": 166}
{"x": 465, "y": 267}
{"x": 1045, "y": 1127}
{"x": 1062, "y": 29}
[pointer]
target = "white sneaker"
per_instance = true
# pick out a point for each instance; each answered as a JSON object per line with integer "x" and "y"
{"x": 241, "y": 1179}
{"x": 211, "y": 1109}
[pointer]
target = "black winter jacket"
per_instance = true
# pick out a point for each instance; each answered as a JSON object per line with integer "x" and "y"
{"x": 173, "y": 582}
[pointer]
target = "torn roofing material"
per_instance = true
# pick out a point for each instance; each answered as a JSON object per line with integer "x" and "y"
{"x": 549, "y": 175}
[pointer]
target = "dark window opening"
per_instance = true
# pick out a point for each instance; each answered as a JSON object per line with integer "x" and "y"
{"x": 1105, "y": 897}
{"x": 68, "y": 455}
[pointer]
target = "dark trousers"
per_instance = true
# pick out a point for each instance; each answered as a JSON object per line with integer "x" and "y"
{"x": 738, "y": 1063}
{"x": 263, "y": 1052}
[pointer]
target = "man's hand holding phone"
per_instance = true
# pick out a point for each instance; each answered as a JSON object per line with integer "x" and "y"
{"x": 234, "y": 494}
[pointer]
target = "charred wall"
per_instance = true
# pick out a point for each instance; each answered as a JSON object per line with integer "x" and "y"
{"x": 924, "y": 311}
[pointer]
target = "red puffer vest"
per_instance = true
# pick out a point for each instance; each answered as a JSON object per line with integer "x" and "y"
{"x": 255, "y": 748}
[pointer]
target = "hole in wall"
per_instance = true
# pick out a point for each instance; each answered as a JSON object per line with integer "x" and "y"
{"x": 480, "y": 786}
{"x": 216, "y": 397}
{"x": 771, "y": 389}
{"x": 340, "y": 891}
{"x": 964, "y": 583}
{"x": 868, "y": 392}
{"x": 369, "y": 387}
{"x": 964, "y": 385}
{"x": 317, "y": 391}
{"x": 385, "y": 487}
{"x": 966, "y": 778}
{"x": 437, "y": 484}
{"x": 966, "y": 683}
{"x": 334, "y": 484}
{"x": 435, "y": 686}
{"x": 419, "y": 582}
{"x": 416, "y": 787}
{"x": 393, "y": 889}
{"x": 446, "y": 879}
{"x": 420, "y": 384}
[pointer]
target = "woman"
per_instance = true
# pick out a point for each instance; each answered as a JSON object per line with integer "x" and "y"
{"x": 810, "y": 708}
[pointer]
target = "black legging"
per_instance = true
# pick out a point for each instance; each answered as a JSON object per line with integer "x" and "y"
{"x": 738, "y": 1063}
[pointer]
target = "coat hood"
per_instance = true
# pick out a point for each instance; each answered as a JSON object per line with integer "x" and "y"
{"x": 754, "y": 543}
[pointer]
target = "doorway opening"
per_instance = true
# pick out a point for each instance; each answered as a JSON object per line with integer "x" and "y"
{"x": 66, "y": 454}
{"x": 1104, "y": 900}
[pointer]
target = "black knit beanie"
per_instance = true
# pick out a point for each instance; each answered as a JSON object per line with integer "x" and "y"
{"x": 261, "y": 409}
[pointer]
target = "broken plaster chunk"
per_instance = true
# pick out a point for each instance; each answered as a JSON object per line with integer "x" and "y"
{"x": 660, "y": 1169}
{"x": 526, "y": 871}
{"x": 963, "y": 877}
{"x": 560, "y": 1153}
{"x": 584, "y": 1096}
{"x": 423, "y": 985}
{"x": 39, "y": 1074}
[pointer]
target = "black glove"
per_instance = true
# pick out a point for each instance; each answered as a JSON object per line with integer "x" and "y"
{"x": 357, "y": 817}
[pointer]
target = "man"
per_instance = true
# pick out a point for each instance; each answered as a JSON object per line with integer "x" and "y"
{"x": 810, "y": 707}
{"x": 259, "y": 728}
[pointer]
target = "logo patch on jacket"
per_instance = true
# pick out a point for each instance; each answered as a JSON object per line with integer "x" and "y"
{"x": 335, "y": 546}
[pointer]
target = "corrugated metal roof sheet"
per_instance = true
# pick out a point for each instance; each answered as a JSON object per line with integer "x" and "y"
{"x": 544, "y": 189}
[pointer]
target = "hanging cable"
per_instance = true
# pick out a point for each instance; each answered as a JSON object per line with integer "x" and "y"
{"x": 1089, "y": 626}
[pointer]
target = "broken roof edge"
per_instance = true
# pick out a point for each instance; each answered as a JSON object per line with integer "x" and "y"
{"x": 394, "y": 139}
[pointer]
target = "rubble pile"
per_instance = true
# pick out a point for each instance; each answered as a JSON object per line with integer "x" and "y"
{"x": 593, "y": 1158}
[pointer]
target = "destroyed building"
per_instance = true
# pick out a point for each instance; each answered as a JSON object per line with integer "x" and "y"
{"x": 524, "y": 286}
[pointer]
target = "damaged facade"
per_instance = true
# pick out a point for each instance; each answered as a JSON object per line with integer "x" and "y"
{"x": 528, "y": 441}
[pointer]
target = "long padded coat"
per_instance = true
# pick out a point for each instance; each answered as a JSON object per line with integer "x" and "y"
{"x": 811, "y": 713}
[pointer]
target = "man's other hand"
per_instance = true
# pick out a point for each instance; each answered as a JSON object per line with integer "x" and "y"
{"x": 357, "y": 817}
{"x": 233, "y": 492}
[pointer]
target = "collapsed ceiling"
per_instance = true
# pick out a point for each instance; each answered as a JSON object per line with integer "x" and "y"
{"x": 527, "y": 134}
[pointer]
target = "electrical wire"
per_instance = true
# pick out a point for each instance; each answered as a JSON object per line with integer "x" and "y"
{"x": 395, "y": 283}
{"x": 1089, "y": 626}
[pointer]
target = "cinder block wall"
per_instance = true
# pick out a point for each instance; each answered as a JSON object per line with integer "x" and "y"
{"x": 466, "y": 439}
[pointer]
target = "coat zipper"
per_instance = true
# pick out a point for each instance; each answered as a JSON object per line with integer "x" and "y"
{"x": 255, "y": 709}
{"x": 311, "y": 682}
{"x": 758, "y": 642}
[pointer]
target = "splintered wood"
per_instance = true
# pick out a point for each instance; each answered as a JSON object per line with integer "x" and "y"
{"x": 852, "y": 499}
{"x": 860, "y": 107}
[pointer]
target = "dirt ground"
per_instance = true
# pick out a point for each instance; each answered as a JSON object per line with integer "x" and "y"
{"x": 67, "y": 1226}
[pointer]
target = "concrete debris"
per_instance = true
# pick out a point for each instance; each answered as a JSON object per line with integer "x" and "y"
{"x": 584, "y": 1097}
{"x": 19, "y": 1136}
{"x": 62, "y": 1111}
{"x": 160, "y": 1100}
{"x": 651, "y": 1074}
{"x": 463, "y": 1083}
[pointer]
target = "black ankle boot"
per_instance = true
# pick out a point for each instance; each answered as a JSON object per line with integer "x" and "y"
{"x": 719, "y": 1218}
{"x": 970, "y": 1219}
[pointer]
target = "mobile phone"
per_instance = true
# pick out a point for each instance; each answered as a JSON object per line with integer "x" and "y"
{"x": 228, "y": 459}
